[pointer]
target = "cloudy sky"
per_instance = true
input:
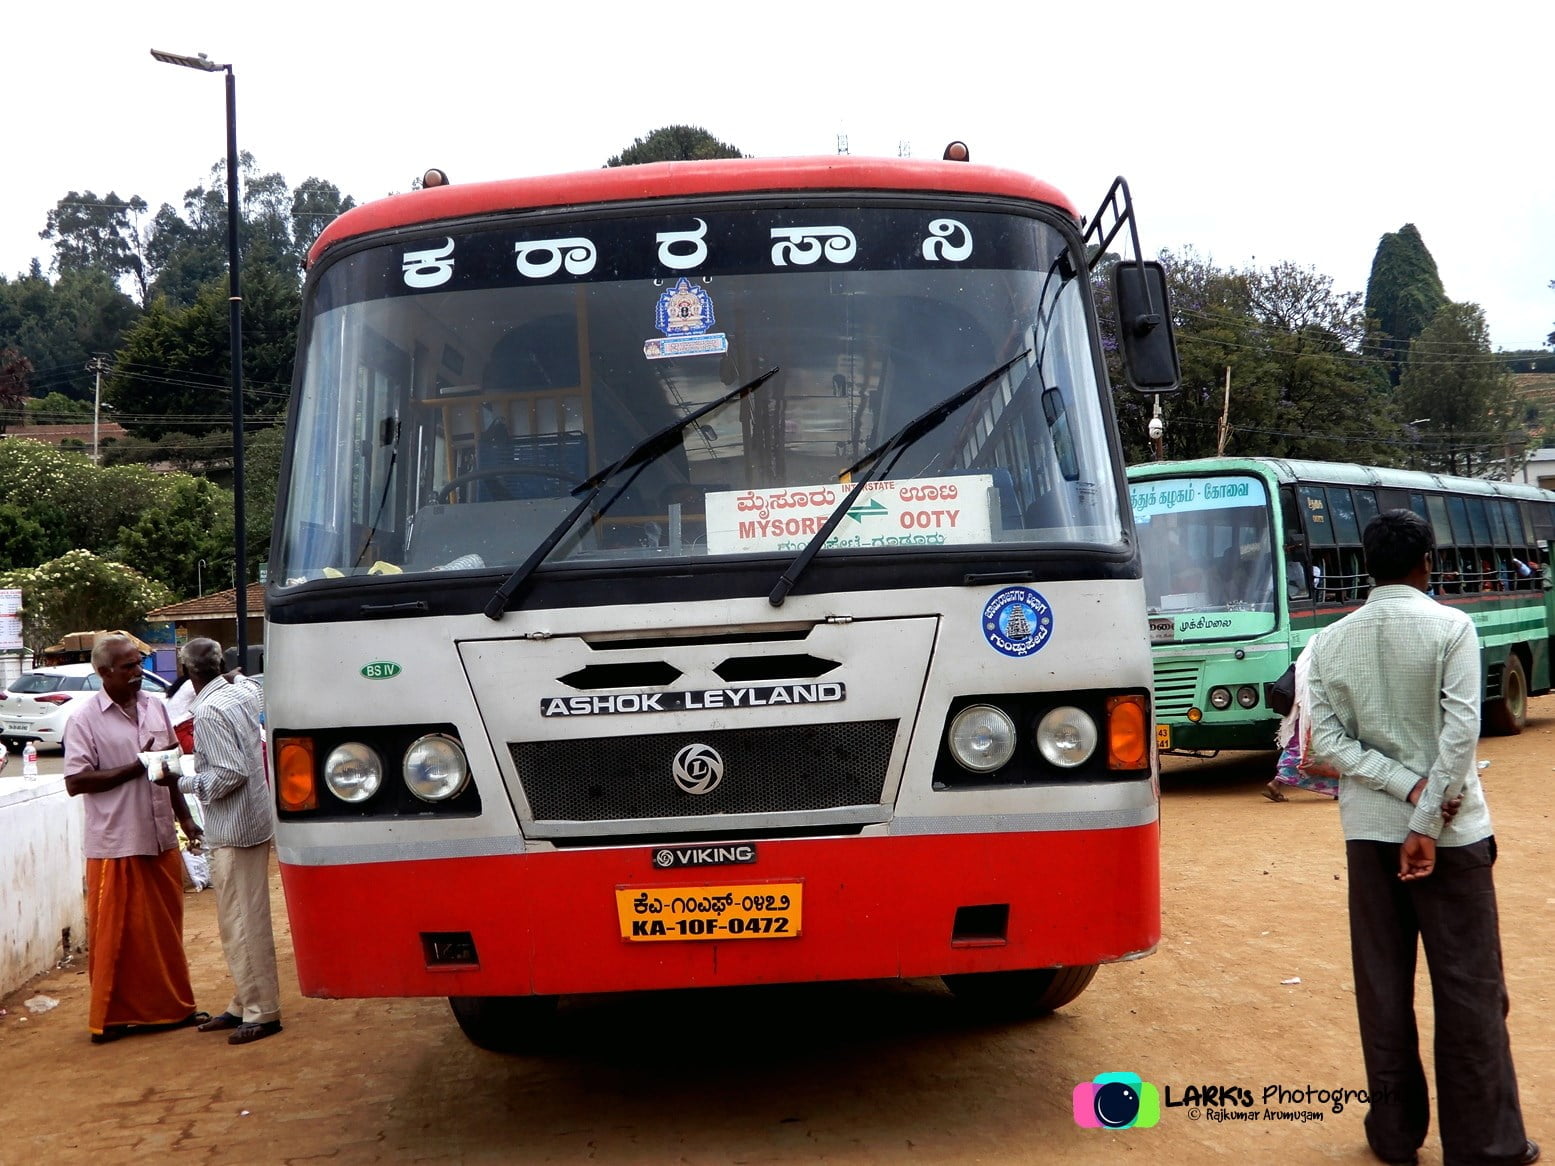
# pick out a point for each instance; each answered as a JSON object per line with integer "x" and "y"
{"x": 1254, "y": 133}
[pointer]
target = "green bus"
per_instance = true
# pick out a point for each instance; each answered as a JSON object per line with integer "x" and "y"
{"x": 1245, "y": 558}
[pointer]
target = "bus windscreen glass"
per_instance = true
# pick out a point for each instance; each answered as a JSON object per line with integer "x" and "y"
{"x": 456, "y": 386}
{"x": 1205, "y": 546}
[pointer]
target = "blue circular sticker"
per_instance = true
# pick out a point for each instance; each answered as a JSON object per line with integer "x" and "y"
{"x": 1017, "y": 621}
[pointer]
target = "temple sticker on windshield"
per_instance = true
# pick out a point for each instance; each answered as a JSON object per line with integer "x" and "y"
{"x": 685, "y": 315}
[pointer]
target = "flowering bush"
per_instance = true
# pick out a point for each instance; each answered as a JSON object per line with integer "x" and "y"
{"x": 79, "y": 592}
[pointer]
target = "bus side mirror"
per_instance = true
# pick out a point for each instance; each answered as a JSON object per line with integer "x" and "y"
{"x": 1145, "y": 337}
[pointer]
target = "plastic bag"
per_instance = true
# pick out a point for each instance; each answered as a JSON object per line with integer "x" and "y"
{"x": 198, "y": 867}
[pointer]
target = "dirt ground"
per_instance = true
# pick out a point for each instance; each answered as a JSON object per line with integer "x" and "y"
{"x": 1253, "y": 894}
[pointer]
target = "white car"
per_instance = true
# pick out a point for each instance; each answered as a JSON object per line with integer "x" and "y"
{"x": 37, "y": 704}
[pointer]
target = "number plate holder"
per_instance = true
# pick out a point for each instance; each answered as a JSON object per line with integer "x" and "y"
{"x": 710, "y": 912}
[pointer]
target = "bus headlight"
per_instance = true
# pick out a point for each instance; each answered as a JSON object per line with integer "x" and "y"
{"x": 982, "y": 738}
{"x": 1066, "y": 736}
{"x": 1220, "y": 698}
{"x": 353, "y": 771}
{"x": 1247, "y": 696}
{"x": 435, "y": 768}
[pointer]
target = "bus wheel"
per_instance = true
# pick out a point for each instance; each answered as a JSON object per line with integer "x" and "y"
{"x": 1509, "y": 713}
{"x": 506, "y": 1024}
{"x": 1016, "y": 995}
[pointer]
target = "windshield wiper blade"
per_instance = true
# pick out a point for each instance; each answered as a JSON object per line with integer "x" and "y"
{"x": 653, "y": 446}
{"x": 896, "y": 444}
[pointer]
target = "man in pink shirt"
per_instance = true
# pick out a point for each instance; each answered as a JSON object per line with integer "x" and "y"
{"x": 134, "y": 874}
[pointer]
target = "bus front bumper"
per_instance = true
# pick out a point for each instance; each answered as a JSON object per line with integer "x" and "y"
{"x": 878, "y": 907}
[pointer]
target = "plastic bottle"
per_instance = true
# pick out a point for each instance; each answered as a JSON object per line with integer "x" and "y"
{"x": 29, "y": 760}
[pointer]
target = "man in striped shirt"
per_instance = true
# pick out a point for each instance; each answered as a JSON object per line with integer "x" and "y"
{"x": 1395, "y": 709}
{"x": 229, "y": 780}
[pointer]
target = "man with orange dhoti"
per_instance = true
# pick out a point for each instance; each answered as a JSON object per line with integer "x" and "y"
{"x": 134, "y": 873}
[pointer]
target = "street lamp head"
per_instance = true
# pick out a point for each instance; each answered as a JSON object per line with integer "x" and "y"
{"x": 201, "y": 62}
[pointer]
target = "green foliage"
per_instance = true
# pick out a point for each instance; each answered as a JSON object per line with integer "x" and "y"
{"x": 193, "y": 523}
{"x": 97, "y": 234}
{"x": 677, "y": 143}
{"x": 1451, "y": 378}
{"x": 1300, "y": 385}
{"x": 262, "y": 449}
{"x": 59, "y": 326}
{"x": 173, "y": 370}
{"x": 89, "y": 503}
{"x": 78, "y": 591}
{"x": 58, "y": 409}
{"x": 1403, "y": 294}
{"x": 28, "y": 537}
{"x": 314, "y": 204}
{"x": 15, "y": 376}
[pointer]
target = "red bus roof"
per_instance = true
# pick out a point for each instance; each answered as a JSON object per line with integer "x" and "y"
{"x": 680, "y": 179}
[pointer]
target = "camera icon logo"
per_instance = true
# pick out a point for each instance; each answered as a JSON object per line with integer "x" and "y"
{"x": 1116, "y": 1101}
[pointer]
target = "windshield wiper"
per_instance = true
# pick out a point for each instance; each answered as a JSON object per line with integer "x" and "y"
{"x": 653, "y": 446}
{"x": 896, "y": 445}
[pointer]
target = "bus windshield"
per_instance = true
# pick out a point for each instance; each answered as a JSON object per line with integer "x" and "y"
{"x": 456, "y": 386}
{"x": 1205, "y": 545}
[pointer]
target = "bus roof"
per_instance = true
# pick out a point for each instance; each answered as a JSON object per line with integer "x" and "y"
{"x": 1290, "y": 470}
{"x": 681, "y": 179}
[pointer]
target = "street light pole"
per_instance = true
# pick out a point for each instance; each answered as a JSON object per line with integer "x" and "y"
{"x": 235, "y": 328}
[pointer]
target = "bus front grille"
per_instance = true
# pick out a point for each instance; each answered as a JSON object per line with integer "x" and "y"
{"x": 778, "y": 770}
{"x": 1176, "y": 685}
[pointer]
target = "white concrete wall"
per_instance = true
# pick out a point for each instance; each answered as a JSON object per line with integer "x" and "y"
{"x": 42, "y": 875}
{"x": 1539, "y": 469}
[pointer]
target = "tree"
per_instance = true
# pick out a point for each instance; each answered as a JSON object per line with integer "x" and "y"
{"x": 261, "y": 479}
{"x": 79, "y": 592}
{"x": 98, "y": 233}
{"x": 87, "y": 503}
{"x": 315, "y": 203}
{"x": 15, "y": 376}
{"x": 1403, "y": 294}
{"x": 28, "y": 538}
{"x": 1452, "y": 378}
{"x": 677, "y": 143}
{"x": 56, "y": 408}
{"x": 59, "y": 326}
{"x": 1300, "y": 386}
{"x": 173, "y": 373}
{"x": 168, "y": 541}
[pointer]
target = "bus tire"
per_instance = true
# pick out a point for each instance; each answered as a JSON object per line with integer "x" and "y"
{"x": 1017, "y": 995}
{"x": 1508, "y": 713}
{"x": 506, "y": 1024}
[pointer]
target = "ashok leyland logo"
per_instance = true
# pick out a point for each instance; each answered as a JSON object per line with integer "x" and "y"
{"x": 1116, "y": 1101}
{"x": 698, "y": 769}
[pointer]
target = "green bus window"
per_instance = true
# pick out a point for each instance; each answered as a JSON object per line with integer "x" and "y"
{"x": 1347, "y": 531}
{"x": 1314, "y": 508}
{"x": 1365, "y": 508}
{"x": 1290, "y": 516}
{"x": 1440, "y": 527}
{"x": 1479, "y": 522}
{"x": 1503, "y": 521}
{"x": 1525, "y": 515}
{"x": 1458, "y": 509}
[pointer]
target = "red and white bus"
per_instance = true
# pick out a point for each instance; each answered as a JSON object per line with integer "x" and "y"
{"x": 713, "y": 573}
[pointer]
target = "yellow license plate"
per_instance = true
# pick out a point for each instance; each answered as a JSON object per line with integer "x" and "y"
{"x": 725, "y": 911}
{"x": 1163, "y": 736}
